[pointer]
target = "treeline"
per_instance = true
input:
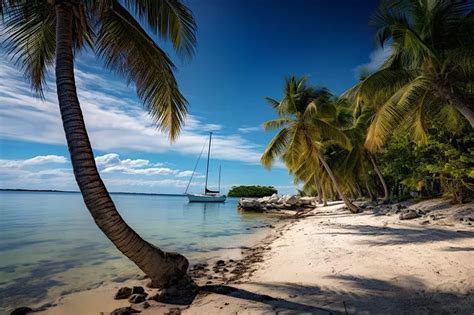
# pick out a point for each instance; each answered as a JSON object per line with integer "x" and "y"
{"x": 405, "y": 129}
{"x": 252, "y": 191}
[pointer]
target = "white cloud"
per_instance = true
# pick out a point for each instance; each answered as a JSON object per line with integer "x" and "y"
{"x": 114, "y": 118}
{"x": 37, "y": 160}
{"x": 184, "y": 174}
{"x": 376, "y": 59}
{"x": 111, "y": 163}
{"x": 249, "y": 129}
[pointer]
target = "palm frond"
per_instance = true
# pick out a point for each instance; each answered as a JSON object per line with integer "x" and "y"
{"x": 276, "y": 147}
{"x": 276, "y": 123}
{"x": 331, "y": 133}
{"x": 394, "y": 112}
{"x": 29, "y": 31}
{"x": 168, "y": 19}
{"x": 128, "y": 50}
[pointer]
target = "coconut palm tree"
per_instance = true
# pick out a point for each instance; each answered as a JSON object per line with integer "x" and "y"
{"x": 45, "y": 33}
{"x": 304, "y": 131}
{"x": 430, "y": 71}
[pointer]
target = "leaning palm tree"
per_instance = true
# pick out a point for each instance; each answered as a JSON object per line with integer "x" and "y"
{"x": 430, "y": 72}
{"x": 43, "y": 33}
{"x": 304, "y": 132}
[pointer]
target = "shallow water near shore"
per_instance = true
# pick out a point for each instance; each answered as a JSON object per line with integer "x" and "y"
{"x": 49, "y": 244}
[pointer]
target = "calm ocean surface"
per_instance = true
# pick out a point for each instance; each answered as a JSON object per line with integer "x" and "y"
{"x": 49, "y": 244}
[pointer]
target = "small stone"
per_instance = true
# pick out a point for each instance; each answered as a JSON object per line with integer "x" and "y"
{"x": 138, "y": 290}
{"x": 145, "y": 305}
{"x": 408, "y": 215}
{"x": 137, "y": 298}
{"x": 21, "y": 310}
{"x": 220, "y": 263}
{"x": 124, "y": 311}
{"x": 123, "y": 293}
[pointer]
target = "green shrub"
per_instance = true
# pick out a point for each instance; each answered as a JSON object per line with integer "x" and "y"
{"x": 252, "y": 191}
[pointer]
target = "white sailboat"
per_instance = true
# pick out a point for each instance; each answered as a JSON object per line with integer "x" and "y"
{"x": 208, "y": 195}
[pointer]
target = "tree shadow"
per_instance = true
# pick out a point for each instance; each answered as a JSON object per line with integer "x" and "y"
{"x": 276, "y": 303}
{"x": 401, "y": 235}
{"x": 350, "y": 294}
{"x": 458, "y": 249}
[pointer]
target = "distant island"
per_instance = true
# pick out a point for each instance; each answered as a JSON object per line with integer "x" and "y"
{"x": 252, "y": 191}
{"x": 77, "y": 192}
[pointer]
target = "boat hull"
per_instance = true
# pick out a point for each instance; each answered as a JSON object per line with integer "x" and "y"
{"x": 206, "y": 198}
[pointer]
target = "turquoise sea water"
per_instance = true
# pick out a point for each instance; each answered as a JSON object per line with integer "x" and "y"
{"x": 49, "y": 244}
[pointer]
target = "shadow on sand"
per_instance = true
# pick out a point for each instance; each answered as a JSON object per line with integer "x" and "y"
{"x": 401, "y": 235}
{"x": 402, "y": 295}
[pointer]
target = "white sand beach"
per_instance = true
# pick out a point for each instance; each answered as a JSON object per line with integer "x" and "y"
{"x": 330, "y": 262}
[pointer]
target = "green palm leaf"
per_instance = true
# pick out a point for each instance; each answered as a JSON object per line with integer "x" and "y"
{"x": 169, "y": 19}
{"x": 127, "y": 49}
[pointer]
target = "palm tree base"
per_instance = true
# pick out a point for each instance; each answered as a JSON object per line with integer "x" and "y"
{"x": 182, "y": 292}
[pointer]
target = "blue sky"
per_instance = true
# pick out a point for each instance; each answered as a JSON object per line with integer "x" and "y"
{"x": 245, "y": 49}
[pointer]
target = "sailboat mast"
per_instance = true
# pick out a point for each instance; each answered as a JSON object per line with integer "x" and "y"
{"x": 208, "y": 156}
{"x": 219, "y": 187}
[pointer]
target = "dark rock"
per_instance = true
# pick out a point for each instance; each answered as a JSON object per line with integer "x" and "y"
{"x": 124, "y": 311}
{"x": 123, "y": 293}
{"x": 220, "y": 263}
{"x": 408, "y": 215}
{"x": 137, "y": 298}
{"x": 21, "y": 310}
{"x": 145, "y": 305}
{"x": 182, "y": 293}
{"x": 138, "y": 290}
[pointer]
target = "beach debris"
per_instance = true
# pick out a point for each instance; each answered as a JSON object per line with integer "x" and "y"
{"x": 277, "y": 203}
{"x": 123, "y": 293}
{"x": 408, "y": 215}
{"x": 125, "y": 311}
{"x": 137, "y": 298}
{"x": 23, "y": 310}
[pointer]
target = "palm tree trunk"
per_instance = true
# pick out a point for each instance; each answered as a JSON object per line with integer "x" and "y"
{"x": 386, "y": 194}
{"x": 162, "y": 268}
{"x": 352, "y": 207}
{"x": 464, "y": 108}
{"x": 371, "y": 196}
{"x": 318, "y": 189}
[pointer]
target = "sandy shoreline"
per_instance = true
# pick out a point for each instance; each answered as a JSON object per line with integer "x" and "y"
{"x": 331, "y": 261}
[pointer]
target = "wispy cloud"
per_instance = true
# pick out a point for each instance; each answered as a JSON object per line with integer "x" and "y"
{"x": 249, "y": 129}
{"x": 37, "y": 160}
{"x": 376, "y": 59}
{"x": 114, "y": 118}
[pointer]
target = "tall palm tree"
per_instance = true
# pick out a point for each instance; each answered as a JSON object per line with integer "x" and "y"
{"x": 430, "y": 72}
{"x": 40, "y": 33}
{"x": 304, "y": 132}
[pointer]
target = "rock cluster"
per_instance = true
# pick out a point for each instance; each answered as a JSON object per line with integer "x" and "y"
{"x": 277, "y": 203}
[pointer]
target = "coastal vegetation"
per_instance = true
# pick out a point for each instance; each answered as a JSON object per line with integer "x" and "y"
{"x": 251, "y": 191}
{"x": 405, "y": 130}
{"x": 43, "y": 34}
